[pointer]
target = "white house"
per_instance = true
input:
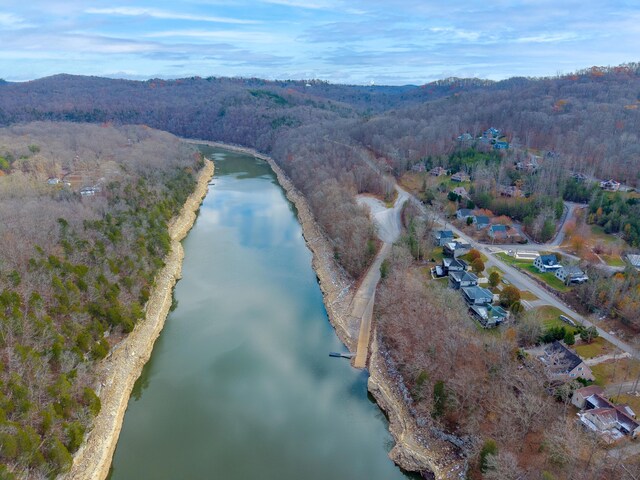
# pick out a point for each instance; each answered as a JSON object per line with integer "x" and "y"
{"x": 546, "y": 263}
{"x": 571, "y": 274}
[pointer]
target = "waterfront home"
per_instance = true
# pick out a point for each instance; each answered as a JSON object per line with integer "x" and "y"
{"x": 501, "y": 145}
{"x": 571, "y": 274}
{"x": 477, "y": 295}
{"x": 563, "y": 364}
{"x": 455, "y": 248}
{"x": 453, "y": 265}
{"x": 546, "y": 263}
{"x": 603, "y": 416}
{"x": 457, "y": 280}
{"x": 489, "y": 316}
{"x": 443, "y": 236}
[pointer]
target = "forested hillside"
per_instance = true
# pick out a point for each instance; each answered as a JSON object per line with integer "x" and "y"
{"x": 94, "y": 257}
{"x": 323, "y": 134}
{"x": 75, "y": 271}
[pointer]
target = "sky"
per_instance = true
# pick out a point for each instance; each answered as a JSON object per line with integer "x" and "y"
{"x": 341, "y": 41}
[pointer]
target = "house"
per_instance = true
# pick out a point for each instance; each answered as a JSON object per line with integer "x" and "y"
{"x": 460, "y": 177}
{"x": 571, "y": 274}
{"x": 546, "y": 263}
{"x": 580, "y": 396}
{"x": 579, "y": 177}
{"x": 510, "y": 191}
{"x": 498, "y": 232}
{"x": 88, "y": 191}
{"x": 603, "y": 416}
{"x": 610, "y": 185}
{"x": 611, "y": 421}
{"x": 501, "y": 145}
{"x": 438, "y": 171}
{"x": 465, "y": 137}
{"x": 563, "y": 364}
{"x": 463, "y": 213}
{"x": 461, "y": 192}
{"x": 457, "y": 280}
{"x": 443, "y": 236}
{"x": 490, "y": 315}
{"x": 491, "y": 133}
{"x": 453, "y": 265}
{"x": 477, "y": 295}
{"x": 634, "y": 260}
{"x": 481, "y": 221}
{"x": 529, "y": 166}
{"x": 54, "y": 181}
{"x": 455, "y": 248}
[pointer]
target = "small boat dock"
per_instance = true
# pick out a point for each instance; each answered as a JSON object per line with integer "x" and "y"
{"x": 342, "y": 355}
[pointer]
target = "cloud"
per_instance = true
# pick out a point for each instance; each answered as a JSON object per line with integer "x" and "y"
{"x": 9, "y": 21}
{"x": 226, "y": 35}
{"x": 166, "y": 15}
{"x": 312, "y": 5}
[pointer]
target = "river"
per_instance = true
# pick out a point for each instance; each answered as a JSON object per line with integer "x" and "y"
{"x": 240, "y": 384}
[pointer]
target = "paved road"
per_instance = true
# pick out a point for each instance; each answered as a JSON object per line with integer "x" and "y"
{"x": 619, "y": 388}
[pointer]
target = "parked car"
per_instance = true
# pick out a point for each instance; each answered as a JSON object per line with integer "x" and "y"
{"x": 566, "y": 319}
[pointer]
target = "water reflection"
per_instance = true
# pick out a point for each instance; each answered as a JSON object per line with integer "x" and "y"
{"x": 240, "y": 384}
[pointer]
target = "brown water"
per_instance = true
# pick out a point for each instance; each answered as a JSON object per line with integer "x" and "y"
{"x": 240, "y": 384}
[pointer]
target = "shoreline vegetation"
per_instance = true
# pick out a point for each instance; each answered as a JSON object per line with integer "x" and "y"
{"x": 122, "y": 367}
{"x": 416, "y": 449}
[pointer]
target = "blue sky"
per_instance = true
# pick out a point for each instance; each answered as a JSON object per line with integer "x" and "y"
{"x": 342, "y": 41}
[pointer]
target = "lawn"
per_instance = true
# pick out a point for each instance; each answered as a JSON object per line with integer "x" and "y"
{"x": 527, "y": 295}
{"x": 548, "y": 278}
{"x": 613, "y": 260}
{"x": 467, "y": 259}
{"x": 631, "y": 400}
{"x": 594, "y": 349}
{"x": 513, "y": 261}
{"x": 551, "y": 317}
{"x": 436, "y": 254}
{"x": 598, "y": 233}
{"x": 618, "y": 371}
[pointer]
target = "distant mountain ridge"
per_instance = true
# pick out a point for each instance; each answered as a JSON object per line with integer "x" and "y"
{"x": 590, "y": 116}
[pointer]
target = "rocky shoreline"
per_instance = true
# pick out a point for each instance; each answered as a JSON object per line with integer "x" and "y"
{"x": 416, "y": 449}
{"x": 120, "y": 370}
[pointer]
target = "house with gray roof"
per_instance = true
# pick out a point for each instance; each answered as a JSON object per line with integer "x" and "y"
{"x": 603, "y": 416}
{"x": 455, "y": 248}
{"x": 489, "y": 316}
{"x": 463, "y": 213}
{"x": 546, "y": 263}
{"x": 477, "y": 295}
{"x": 481, "y": 221}
{"x": 453, "y": 265}
{"x": 498, "y": 232}
{"x": 571, "y": 274}
{"x": 457, "y": 280}
{"x": 563, "y": 364}
{"x": 443, "y": 236}
{"x": 634, "y": 260}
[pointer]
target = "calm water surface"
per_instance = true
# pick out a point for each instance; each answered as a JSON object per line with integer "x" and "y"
{"x": 240, "y": 384}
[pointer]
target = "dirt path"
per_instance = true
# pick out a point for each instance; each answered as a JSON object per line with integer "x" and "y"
{"x": 120, "y": 370}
